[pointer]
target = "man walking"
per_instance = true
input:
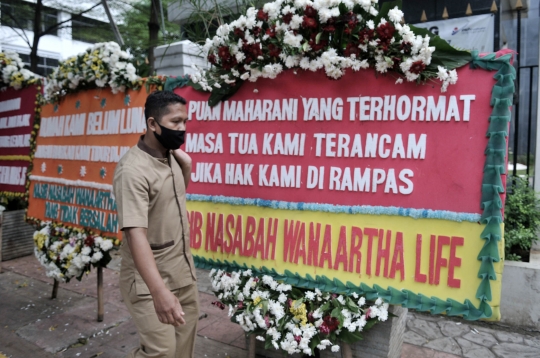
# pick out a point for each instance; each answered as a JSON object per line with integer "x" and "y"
{"x": 157, "y": 277}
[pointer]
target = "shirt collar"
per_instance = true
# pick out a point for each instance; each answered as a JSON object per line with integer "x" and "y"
{"x": 150, "y": 151}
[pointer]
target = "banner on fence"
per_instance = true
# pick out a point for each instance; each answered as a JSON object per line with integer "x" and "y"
{"x": 470, "y": 33}
{"x": 79, "y": 143}
{"x": 356, "y": 183}
{"x": 17, "y": 111}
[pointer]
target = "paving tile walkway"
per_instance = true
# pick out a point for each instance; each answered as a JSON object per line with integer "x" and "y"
{"x": 33, "y": 325}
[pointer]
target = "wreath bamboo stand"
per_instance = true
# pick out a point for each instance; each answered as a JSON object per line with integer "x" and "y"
{"x": 101, "y": 309}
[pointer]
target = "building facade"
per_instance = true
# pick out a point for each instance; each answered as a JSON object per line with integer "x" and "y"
{"x": 70, "y": 35}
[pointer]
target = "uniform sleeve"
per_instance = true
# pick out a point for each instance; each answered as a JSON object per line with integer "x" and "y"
{"x": 131, "y": 192}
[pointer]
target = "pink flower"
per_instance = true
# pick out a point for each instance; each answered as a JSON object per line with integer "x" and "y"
{"x": 323, "y": 328}
{"x": 218, "y": 304}
{"x": 309, "y": 11}
{"x": 309, "y": 23}
{"x": 287, "y": 18}
{"x": 261, "y": 15}
{"x": 368, "y": 312}
{"x": 417, "y": 67}
{"x": 89, "y": 241}
{"x": 386, "y": 31}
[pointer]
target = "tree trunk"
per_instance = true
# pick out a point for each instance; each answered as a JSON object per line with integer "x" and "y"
{"x": 37, "y": 36}
{"x": 153, "y": 31}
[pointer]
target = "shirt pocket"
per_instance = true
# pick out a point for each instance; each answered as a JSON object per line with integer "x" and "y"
{"x": 173, "y": 269}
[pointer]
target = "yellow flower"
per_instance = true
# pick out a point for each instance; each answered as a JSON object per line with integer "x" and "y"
{"x": 256, "y": 300}
{"x": 299, "y": 312}
{"x": 39, "y": 240}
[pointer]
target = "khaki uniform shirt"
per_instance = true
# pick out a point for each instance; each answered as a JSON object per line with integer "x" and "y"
{"x": 150, "y": 193}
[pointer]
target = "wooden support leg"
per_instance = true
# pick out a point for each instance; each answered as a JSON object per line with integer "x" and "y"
{"x": 251, "y": 346}
{"x": 346, "y": 351}
{"x": 55, "y": 289}
{"x": 100, "y": 294}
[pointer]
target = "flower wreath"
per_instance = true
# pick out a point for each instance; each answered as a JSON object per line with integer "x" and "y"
{"x": 13, "y": 72}
{"x": 292, "y": 319}
{"x": 101, "y": 65}
{"x": 329, "y": 35}
{"x": 68, "y": 252}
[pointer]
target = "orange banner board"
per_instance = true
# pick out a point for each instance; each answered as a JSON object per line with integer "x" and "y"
{"x": 79, "y": 143}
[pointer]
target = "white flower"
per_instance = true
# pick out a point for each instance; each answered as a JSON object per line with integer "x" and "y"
{"x": 106, "y": 245}
{"x": 86, "y": 250}
{"x": 453, "y": 77}
{"x": 296, "y": 21}
{"x": 411, "y": 76}
{"x": 382, "y": 64}
{"x": 292, "y": 40}
{"x": 96, "y": 257}
{"x": 442, "y": 73}
{"x": 399, "y": 80}
{"x": 361, "y": 301}
{"x": 335, "y": 348}
{"x": 395, "y": 15}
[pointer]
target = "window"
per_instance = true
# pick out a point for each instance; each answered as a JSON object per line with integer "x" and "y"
{"x": 90, "y": 30}
{"x": 20, "y": 14}
{"x": 45, "y": 67}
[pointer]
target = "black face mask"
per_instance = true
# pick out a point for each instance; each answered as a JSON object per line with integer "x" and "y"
{"x": 169, "y": 138}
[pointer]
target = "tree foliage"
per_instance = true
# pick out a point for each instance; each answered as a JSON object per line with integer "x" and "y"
{"x": 521, "y": 221}
{"x": 135, "y": 32}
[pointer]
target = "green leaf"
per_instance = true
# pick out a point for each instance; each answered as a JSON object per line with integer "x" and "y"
{"x": 350, "y": 337}
{"x": 222, "y": 94}
{"x": 264, "y": 307}
{"x": 305, "y": 46}
{"x": 336, "y": 312}
{"x": 297, "y": 293}
{"x": 318, "y": 38}
{"x": 370, "y": 323}
{"x": 351, "y": 305}
{"x": 325, "y": 307}
{"x": 268, "y": 342}
{"x": 315, "y": 341}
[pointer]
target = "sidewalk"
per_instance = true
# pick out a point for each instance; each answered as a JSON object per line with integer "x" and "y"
{"x": 33, "y": 325}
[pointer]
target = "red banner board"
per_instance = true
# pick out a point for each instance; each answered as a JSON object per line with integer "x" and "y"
{"x": 17, "y": 110}
{"x": 361, "y": 140}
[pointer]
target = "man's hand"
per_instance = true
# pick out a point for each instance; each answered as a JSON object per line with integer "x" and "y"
{"x": 184, "y": 160}
{"x": 168, "y": 308}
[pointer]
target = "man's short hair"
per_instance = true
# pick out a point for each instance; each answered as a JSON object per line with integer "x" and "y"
{"x": 157, "y": 103}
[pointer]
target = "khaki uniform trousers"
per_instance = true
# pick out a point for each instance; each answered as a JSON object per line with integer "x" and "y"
{"x": 164, "y": 340}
